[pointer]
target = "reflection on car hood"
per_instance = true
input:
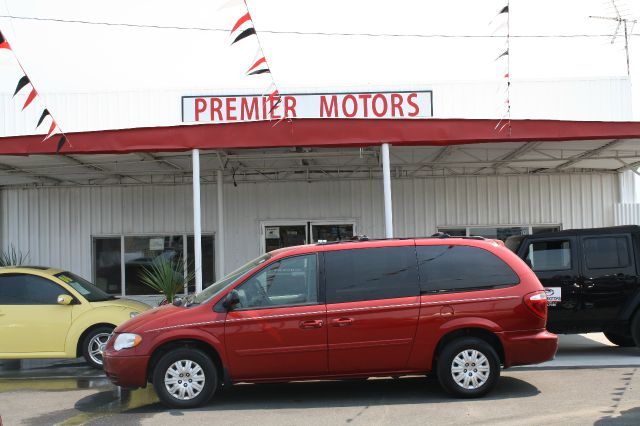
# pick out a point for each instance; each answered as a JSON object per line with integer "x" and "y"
{"x": 154, "y": 318}
{"x": 134, "y": 305}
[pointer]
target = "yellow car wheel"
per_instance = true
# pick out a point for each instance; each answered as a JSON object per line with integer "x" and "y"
{"x": 93, "y": 344}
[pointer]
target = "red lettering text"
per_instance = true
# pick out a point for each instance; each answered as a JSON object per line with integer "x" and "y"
{"x": 374, "y": 105}
{"x": 354, "y": 105}
{"x": 201, "y": 106}
{"x": 247, "y": 110}
{"x": 365, "y": 104}
{"x": 216, "y": 106}
{"x": 231, "y": 107}
{"x": 273, "y": 108}
{"x": 328, "y": 110}
{"x": 396, "y": 104}
{"x": 416, "y": 108}
{"x": 290, "y": 107}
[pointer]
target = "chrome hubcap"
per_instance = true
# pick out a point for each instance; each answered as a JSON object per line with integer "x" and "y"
{"x": 470, "y": 369}
{"x": 96, "y": 346}
{"x": 184, "y": 379}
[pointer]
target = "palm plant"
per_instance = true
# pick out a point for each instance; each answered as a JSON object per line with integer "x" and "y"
{"x": 12, "y": 257}
{"x": 166, "y": 276}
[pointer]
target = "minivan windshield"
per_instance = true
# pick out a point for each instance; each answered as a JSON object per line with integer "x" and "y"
{"x": 215, "y": 288}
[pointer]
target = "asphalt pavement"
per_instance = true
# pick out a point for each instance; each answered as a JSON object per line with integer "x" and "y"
{"x": 589, "y": 382}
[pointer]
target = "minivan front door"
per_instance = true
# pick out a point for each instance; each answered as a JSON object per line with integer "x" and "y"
{"x": 555, "y": 262}
{"x": 278, "y": 330}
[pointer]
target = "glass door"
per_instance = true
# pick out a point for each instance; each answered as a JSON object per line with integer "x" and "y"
{"x": 283, "y": 235}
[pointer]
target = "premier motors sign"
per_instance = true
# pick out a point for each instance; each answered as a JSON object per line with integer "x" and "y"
{"x": 226, "y": 109}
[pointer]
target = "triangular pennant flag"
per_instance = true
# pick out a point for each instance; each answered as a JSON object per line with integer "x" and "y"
{"x": 51, "y": 129}
{"x": 257, "y": 63}
{"x": 44, "y": 114}
{"x": 274, "y": 95}
{"x": 262, "y": 71}
{"x": 61, "y": 142}
{"x": 506, "y": 75}
{"x": 505, "y": 53}
{"x": 275, "y": 105}
{"x": 21, "y": 83}
{"x": 30, "y": 98}
{"x": 246, "y": 33}
{"x": 504, "y": 10}
{"x": 241, "y": 21}
{"x": 4, "y": 44}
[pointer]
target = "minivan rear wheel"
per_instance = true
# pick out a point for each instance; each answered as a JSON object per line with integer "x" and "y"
{"x": 468, "y": 367}
{"x": 621, "y": 340}
{"x": 185, "y": 378}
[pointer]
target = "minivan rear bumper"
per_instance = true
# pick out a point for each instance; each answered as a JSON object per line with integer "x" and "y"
{"x": 528, "y": 347}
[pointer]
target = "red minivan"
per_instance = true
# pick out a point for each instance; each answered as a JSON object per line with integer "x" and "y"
{"x": 459, "y": 308}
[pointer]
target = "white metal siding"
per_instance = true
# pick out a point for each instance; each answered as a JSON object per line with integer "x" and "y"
{"x": 627, "y": 214}
{"x": 55, "y": 225}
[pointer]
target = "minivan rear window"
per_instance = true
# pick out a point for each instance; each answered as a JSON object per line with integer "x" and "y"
{"x": 371, "y": 273}
{"x": 450, "y": 268}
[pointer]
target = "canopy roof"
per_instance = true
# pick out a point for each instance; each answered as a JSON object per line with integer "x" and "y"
{"x": 322, "y": 149}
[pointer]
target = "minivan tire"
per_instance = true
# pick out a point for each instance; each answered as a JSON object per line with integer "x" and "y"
{"x": 482, "y": 377}
{"x": 93, "y": 342}
{"x": 621, "y": 340}
{"x": 185, "y": 378}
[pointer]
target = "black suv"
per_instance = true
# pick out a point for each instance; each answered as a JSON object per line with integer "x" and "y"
{"x": 591, "y": 277}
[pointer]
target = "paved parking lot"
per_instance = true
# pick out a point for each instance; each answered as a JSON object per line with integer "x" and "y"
{"x": 590, "y": 382}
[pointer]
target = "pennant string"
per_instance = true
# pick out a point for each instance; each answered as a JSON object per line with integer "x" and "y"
{"x": 24, "y": 81}
{"x": 507, "y": 75}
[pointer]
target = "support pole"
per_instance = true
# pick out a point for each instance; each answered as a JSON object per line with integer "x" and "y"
{"x": 220, "y": 233}
{"x": 197, "y": 230}
{"x": 386, "y": 178}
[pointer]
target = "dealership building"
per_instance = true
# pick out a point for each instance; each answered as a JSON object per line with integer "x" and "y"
{"x": 322, "y": 164}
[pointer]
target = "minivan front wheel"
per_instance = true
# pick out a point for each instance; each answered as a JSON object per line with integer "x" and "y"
{"x": 468, "y": 367}
{"x": 185, "y": 378}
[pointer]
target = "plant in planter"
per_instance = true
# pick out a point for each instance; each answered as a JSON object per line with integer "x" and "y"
{"x": 12, "y": 257}
{"x": 166, "y": 276}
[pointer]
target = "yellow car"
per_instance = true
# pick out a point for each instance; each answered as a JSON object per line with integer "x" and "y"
{"x": 50, "y": 313}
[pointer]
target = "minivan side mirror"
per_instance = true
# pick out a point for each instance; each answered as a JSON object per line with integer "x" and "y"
{"x": 231, "y": 300}
{"x": 65, "y": 299}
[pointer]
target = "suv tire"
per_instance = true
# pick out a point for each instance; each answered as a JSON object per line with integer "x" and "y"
{"x": 185, "y": 378}
{"x": 468, "y": 367}
{"x": 621, "y": 340}
{"x": 635, "y": 328}
{"x": 93, "y": 344}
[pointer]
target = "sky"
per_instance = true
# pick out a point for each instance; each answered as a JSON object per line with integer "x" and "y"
{"x": 76, "y": 57}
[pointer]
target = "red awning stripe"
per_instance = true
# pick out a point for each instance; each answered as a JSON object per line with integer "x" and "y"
{"x": 321, "y": 133}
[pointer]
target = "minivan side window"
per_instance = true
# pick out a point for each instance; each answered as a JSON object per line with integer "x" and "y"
{"x": 26, "y": 289}
{"x": 606, "y": 252}
{"x": 288, "y": 282}
{"x": 448, "y": 268}
{"x": 370, "y": 274}
{"x": 554, "y": 255}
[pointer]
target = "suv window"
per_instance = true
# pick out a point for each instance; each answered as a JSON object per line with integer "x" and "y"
{"x": 606, "y": 252}
{"x": 288, "y": 282}
{"x": 446, "y": 268}
{"x": 371, "y": 273}
{"x": 25, "y": 289}
{"x": 552, "y": 255}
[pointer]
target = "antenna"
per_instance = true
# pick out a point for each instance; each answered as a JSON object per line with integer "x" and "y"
{"x": 620, "y": 21}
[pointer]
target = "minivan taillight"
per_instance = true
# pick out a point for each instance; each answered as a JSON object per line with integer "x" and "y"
{"x": 537, "y": 302}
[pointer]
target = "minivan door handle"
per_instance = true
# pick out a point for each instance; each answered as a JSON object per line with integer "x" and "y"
{"x": 342, "y": 322}
{"x": 311, "y": 324}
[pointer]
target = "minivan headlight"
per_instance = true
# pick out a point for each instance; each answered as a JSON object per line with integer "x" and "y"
{"x": 126, "y": 340}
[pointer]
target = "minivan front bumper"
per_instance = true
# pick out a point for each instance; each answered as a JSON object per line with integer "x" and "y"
{"x": 528, "y": 347}
{"x": 126, "y": 371}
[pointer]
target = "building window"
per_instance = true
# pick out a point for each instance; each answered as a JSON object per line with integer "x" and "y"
{"x": 497, "y": 232}
{"x": 118, "y": 257}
